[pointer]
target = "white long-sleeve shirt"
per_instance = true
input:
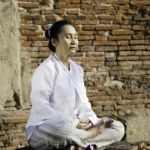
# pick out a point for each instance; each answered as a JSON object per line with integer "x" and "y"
{"x": 58, "y": 94}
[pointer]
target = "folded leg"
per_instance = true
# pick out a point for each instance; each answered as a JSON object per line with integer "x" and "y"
{"x": 56, "y": 135}
{"x": 109, "y": 135}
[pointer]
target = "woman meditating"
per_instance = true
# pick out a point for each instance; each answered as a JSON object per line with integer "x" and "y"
{"x": 61, "y": 113}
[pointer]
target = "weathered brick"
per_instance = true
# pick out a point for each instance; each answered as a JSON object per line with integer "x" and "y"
{"x": 123, "y": 42}
{"x": 87, "y": 48}
{"x": 120, "y": 37}
{"x": 128, "y": 58}
{"x": 130, "y": 63}
{"x": 103, "y": 27}
{"x": 86, "y": 37}
{"x": 72, "y": 11}
{"x": 105, "y": 108}
{"x": 31, "y": 33}
{"x": 122, "y": 32}
{"x": 140, "y": 47}
{"x": 138, "y": 27}
{"x": 87, "y": 1}
{"x": 15, "y": 119}
{"x": 110, "y": 43}
{"x": 40, "y": 43}
{"x": 131, "y": 53}
{"x": 29, "y": 27}
{"x": 28, "y": 4}
{"x": 81, "y": 43}
{"x": 75, "y": 2}
{"x": 32, "y": 17}
{"x": 106, "y": 48}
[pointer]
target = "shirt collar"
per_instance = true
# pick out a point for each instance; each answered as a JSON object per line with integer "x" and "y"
{"x": 57, "y": 58}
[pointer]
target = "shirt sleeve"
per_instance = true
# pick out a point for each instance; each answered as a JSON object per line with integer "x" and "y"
{"x": 85, "y": 109}
{"x": 41, "y": 90}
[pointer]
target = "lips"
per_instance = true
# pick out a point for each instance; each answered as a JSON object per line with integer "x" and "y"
{"x": 72, "y": 47}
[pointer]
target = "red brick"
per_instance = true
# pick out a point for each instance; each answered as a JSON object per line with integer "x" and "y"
{"x": 30, "y": 33}
{"x": 28, "y": 4}
{"x": 81, "y": 43}
{"x": 29, "y": 27}
{"x": 26, "y": 44}
{"x": 72, "y": 11}
{"x": 88, "y": 27}
{"x": 71, "y": 5}
{"x": 61, "y": 5}
{"x": 140, "y": 47}
{"x": 138, "y": 27}
{"x": 102, "y": 103}
{"x": 124, "y": 47}
{"x": 123, "y": 42}
{"x": 95, "y": 54}
{"x": 101, "y": 38}
{"x": 36, "y": 38}
{"x": 32, "y": 17}
{"x": 128, "y": 58}
{"x": 104, "y": 43}
{"x": 130, "y": 63}
{"x": 106, "y": 48}
{"x": 86, "y": 37}
{"x": 139, "y": 3}
{"x": 75, "y": 1}
{"x": 15, "y": 119}
{"x": 145, "y": 52}
{"x": 48, "y": 11}
{"x": 137, "y": 42}
{"x": 131, "y": 53}
{"x": 105, "y": 108}
{"x": 107, "y": 1}
{"x": 120, "y": 37}
{"x": 87, "y": 48}
{"x": 87, "y": 22}
{"x": 146, "y": 62}
{"x": 103, "y": 27}
{"x": 121, "y": 32}
{"x": 100, "y": 98}
{"x": 86, "y": 32}
{"x": 97, "y": 109}
{"x": 133, "y": 73}
{"x": 87, "y": 1}
{"x": 105, "y": 17}
{"x": 138, "y": 37}
{"x": 92, "y": 64}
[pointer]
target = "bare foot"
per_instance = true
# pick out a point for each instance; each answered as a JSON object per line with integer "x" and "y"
{"x": 74, "y": 147}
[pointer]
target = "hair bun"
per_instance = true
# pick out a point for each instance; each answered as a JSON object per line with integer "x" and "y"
{"x": 47, "y": 34}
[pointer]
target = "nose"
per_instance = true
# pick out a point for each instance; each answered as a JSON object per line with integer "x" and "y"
{"x": 73, "y": 41}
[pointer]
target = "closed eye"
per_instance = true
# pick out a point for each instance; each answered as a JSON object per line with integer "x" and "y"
{"x": 68, "y": 36}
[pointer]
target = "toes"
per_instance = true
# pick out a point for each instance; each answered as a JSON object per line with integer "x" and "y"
{"x": 72, "y": 147}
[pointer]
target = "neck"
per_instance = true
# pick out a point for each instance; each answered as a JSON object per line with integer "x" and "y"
{"x": 63, "y": 56}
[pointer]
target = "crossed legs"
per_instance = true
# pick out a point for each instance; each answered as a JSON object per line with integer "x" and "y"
{"x": 48, "y": 135}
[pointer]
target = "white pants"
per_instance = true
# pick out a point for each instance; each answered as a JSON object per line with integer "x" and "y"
{"x": 50, "y": 135}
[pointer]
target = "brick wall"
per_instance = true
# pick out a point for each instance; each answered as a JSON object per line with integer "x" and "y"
{"x": 114, "y": 44}
{"x": 12, "y": 130}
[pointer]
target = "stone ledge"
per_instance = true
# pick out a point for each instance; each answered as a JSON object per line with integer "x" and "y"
{"x": 13, "y": 117}
{"x": 122, "y": 145}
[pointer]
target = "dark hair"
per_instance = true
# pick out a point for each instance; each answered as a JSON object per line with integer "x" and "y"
{"x": 54, "y": 30}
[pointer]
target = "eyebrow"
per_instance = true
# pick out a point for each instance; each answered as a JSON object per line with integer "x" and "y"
{"x": 71, "y": 34}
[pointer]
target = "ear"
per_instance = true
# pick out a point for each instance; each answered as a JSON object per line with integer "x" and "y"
{"x": 54, "y": 42}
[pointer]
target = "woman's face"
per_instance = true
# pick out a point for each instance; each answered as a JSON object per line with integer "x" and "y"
{"x": 67, "y": 40}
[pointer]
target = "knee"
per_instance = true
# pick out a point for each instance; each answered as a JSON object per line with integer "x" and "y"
{"x": 120, "y": 129}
